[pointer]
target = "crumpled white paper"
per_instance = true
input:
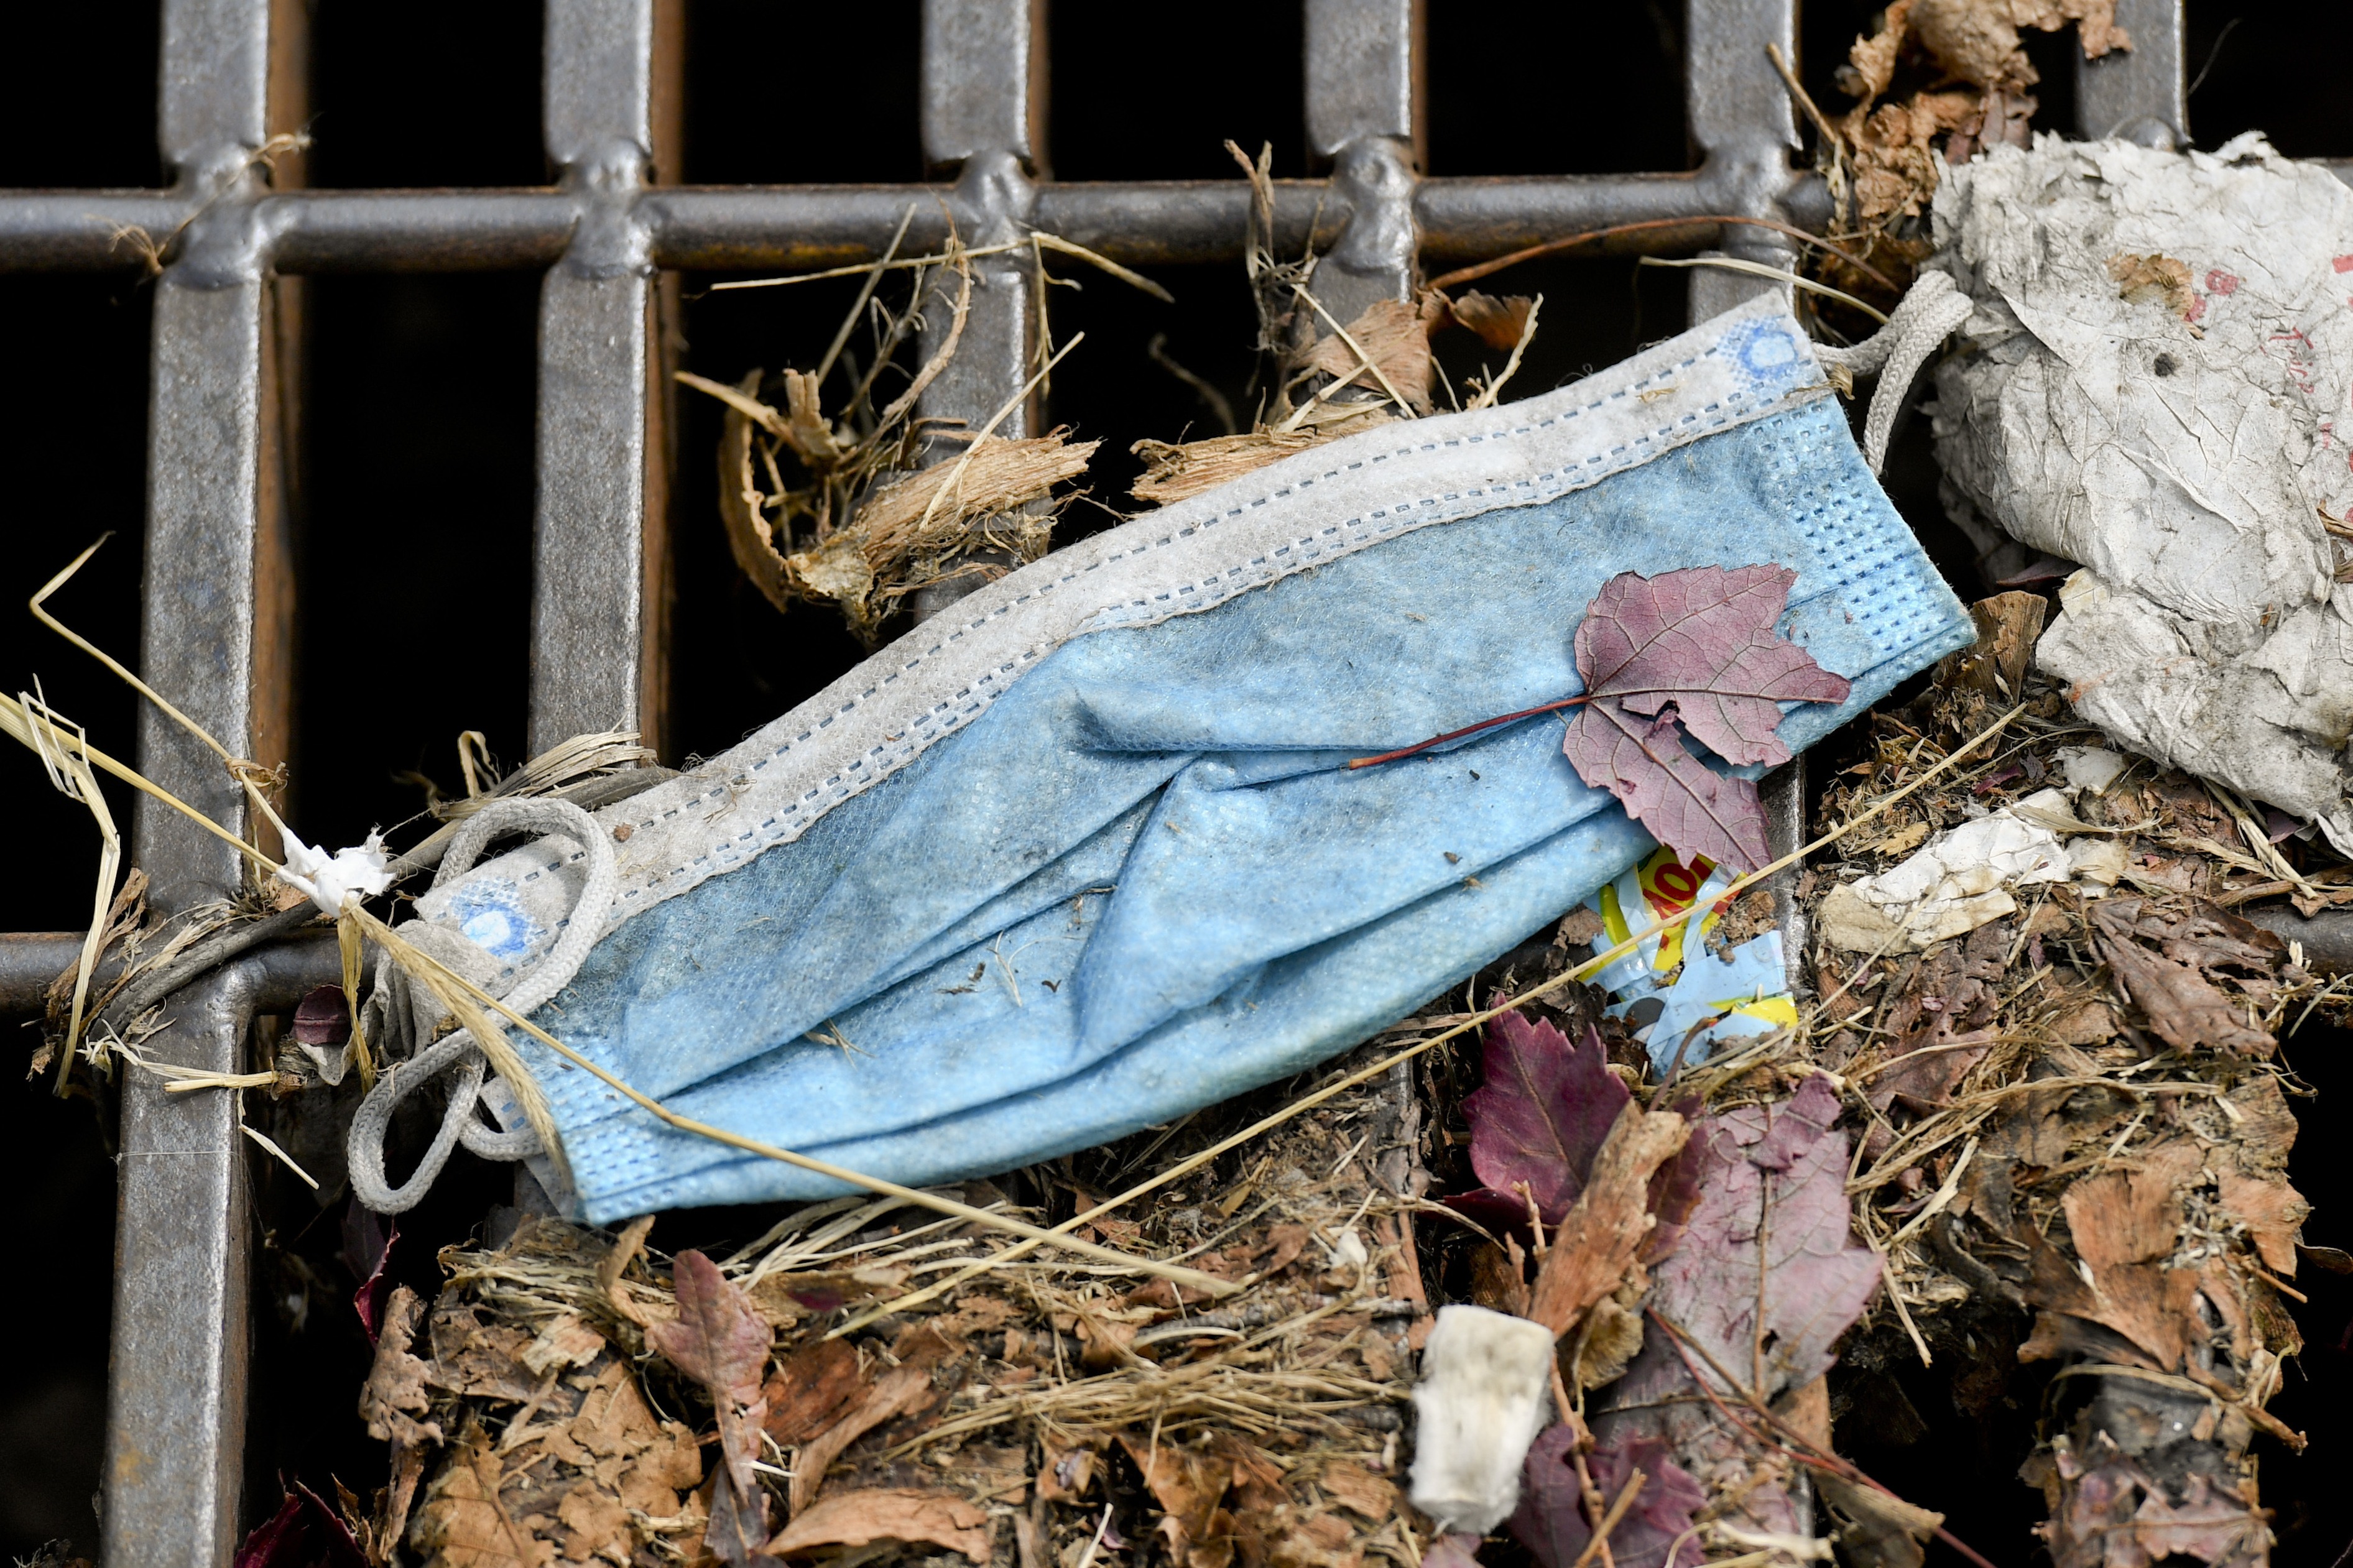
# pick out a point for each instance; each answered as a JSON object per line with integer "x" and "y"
{"x": 327, "y": 880}
{"x": 1954, "y": 883}
{"x": 2157, "y": 386}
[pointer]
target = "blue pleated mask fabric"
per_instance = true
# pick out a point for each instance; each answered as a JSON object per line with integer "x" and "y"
{"x": 1080, "y": 854}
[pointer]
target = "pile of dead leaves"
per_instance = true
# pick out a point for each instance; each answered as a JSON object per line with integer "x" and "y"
{"x": 1697, "y": 1268}
{"x": 2075, "y": 1131}
{"x": 1968, "y": 85}
{"x": 575, "y": 1396}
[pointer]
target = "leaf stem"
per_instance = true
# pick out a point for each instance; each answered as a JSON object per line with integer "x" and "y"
{"x": 1421, "y": 746}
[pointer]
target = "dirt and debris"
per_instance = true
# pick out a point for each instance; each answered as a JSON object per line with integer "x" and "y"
{"x": 864, "y": 505}
{"x": 1937, "y": 81}
{"x": 2039, "y": 1151}
{"x": 2076, "y": 1128}
{"x": 1325, "y": 378}
{"x": 585, "y": 1397}
{"x": 2054, "y": 1143}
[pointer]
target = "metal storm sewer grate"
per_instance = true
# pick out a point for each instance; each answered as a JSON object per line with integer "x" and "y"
{"x": 611, "y": 242}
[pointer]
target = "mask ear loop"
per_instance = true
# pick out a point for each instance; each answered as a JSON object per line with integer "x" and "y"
{"x": 1931, "y": 313}
{"x": 371, "y": 1125}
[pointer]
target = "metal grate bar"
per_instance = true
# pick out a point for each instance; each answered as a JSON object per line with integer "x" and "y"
{"x": 1143, "y": 223}
{"x": 1364, "y": 114}
{"x": 593, "y": 645}
{"x": 2141, "y": 93}
{"x": 214, "y": 625}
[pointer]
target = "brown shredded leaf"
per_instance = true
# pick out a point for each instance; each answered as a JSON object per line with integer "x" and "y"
{"x": 394, "y": 1391}
{"x": 2155, "y": 280}
{"x": 1595, "y": 1248}
{"x": 2185, "y": 1008}
{"x": 462, "y": 1524}
{"x": 918, "y": 1518}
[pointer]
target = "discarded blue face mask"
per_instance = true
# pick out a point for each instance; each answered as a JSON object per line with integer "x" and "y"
{"x": 1080, "y": 854}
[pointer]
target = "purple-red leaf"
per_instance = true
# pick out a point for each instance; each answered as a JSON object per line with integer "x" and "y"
{"x": 1691, "y": 650}
{"x": 1551, "y": 1520}
{"x": 304, "y": 1534}
{"x": 721, "y": 1341}
{"x": 1770, "y": 1229}
{"x": 1544, "y": 1111}
{"x": 1451, "y": 1552}
{"x": 1679, "y": 798}
{"x": 1703, "y": 640}
{"x": 367, "y": 1253}
{"x": 718, "y": 1337}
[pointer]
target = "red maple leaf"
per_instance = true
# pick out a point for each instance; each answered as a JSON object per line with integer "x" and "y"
{"x": 1692, "y": 652}
{"x": 1686, "y": 653}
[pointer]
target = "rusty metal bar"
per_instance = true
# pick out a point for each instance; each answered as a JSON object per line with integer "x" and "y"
{"x": 595, "y": 662}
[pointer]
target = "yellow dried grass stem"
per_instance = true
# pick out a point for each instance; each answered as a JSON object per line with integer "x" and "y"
{"x": 71, "y": 775}
{"x": 888, "y": 264}
{"x": 1758, "y": 269}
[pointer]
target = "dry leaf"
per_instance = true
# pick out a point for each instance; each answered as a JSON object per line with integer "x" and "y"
{"x": 462, "y": 1524}
{"x": 1189, "y": 1486}
{"x": 1498, "y": 323}
{"x": 1697, "y": 651}
{"x": 1394, "y": 336}
{"x": 565, "y": 1341}
{"x": 917, "y": 1517}
{"x": 2185, "y": 1008}
{"x": 1545, "y": 1109}
{"x": 2272, "y": 1211}
{"x": 721, "y": 1341}
{"x": 901, "y": 1389}
{"x": 616, "y": 1264}
{"x": 1597, "y": 1244}
{"x": 813, "y": 1388}
{"x": 1656, "y": 1530}
{"x": 2155, "y": 280}
{"x": 2124, "y": 1225}
{"x": 395, "y": 1390}
{"x": 1357, "y": 1490}
{"x": 1881, "y": 1532}
{"x": 1065, "y": 1474}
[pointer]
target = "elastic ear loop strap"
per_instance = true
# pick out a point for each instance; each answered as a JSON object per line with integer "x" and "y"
{"x": 371, "y": 1123}
{"x": 1930, "y": 313}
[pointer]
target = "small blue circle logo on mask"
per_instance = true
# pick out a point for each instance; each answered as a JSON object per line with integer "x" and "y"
{"x": 1768, "y": 350}
{"x": 493, "y": 919}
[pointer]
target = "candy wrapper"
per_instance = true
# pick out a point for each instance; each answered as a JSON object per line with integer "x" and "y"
{"x": 1670, "y": 983}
